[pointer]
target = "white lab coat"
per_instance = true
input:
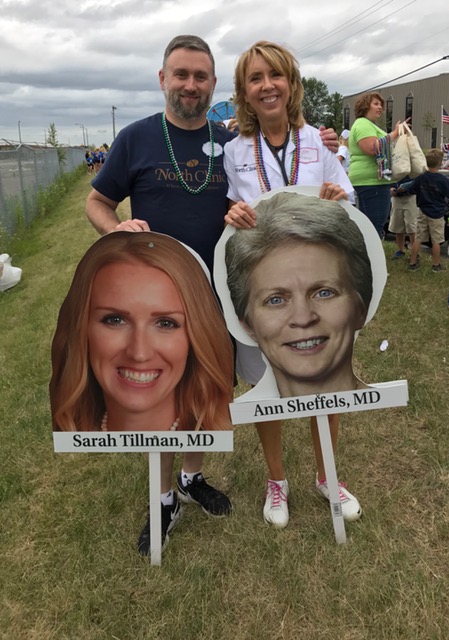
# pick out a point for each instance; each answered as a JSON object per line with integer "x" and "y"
{"x": 316, "y": 165}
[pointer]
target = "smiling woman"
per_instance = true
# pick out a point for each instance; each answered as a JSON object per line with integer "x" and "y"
{"x": 141, "y": 345}
{"x": 303, "y": 312}
{"x": 138, "y": 343}
{"x": 275, "y": 148}
{"x": 301, "y": 284}
{"x": 131, "y": 341}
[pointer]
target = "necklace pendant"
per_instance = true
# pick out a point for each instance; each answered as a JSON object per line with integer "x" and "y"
{"x": 174, "y": 162}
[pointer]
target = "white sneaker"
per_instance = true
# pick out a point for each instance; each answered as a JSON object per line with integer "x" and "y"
{"x": 350, "y": 506}
{"x": 275, "y": 510}
{"x": 9, "y": 275}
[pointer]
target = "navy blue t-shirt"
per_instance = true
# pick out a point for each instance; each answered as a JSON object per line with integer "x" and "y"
{"x": 432, "y": 193}
{"x": 138, "y": 165}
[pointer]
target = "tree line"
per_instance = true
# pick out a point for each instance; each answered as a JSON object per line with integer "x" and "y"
{"x": 321, "y": 107}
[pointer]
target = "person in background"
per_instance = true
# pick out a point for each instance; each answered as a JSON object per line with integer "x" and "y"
{"x": 343, "y": 151}
{"x": 103, "y": 153}
{"x": 89, "y": 162}
{"x": 403, "y": 217}
{"x": 233, "y": 125}
{"x": 370, "y": 169}
{"x": 96, "y": 160}
{"x": 432, "y": 195}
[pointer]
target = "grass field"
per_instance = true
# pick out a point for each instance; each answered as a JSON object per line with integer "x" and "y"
{"x": 69, "y": 523}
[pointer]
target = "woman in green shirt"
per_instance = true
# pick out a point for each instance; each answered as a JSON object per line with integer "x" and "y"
{"x": 370, "y": 150}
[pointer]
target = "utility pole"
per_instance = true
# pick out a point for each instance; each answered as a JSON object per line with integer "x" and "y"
{"x": 83, "y": 128}
{"x": 114, "y": 109}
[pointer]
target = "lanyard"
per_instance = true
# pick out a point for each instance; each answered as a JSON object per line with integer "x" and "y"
{"x": 281, "y": 161}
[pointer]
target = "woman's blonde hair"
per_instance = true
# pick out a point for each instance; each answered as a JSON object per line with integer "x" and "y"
{"x": 282, "y": 61}
{"x": 206, "y": 387}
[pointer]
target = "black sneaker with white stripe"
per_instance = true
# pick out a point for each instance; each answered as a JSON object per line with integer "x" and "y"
{"x": 170, "y": 515}
{"x": 211, "y": 500}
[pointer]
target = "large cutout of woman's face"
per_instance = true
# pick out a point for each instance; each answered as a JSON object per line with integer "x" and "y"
{"x": 303, "y": 298}
{"x": 303, "y": 312}
{"x": 138, "y": 342}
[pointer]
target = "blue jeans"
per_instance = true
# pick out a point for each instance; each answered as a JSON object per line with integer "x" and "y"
{"x": 375, "y": 201}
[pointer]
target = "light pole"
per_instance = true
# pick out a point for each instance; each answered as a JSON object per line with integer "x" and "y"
{"x": 20, "y": 133}
{"x": 114, "y": 109}
{"x": 83, "y": 128}
{"x": 87, "y": 137}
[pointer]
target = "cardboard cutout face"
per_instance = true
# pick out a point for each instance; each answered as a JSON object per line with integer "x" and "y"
{"x": 303, "y": 313}
{"x": 140, "y": 343}
{"x": 300, "y": 286}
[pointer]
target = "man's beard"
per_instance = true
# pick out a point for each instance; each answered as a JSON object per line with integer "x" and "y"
{"x": 187, "y": 112}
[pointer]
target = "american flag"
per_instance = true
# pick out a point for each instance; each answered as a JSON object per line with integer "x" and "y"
{"x": 445, "y": 116}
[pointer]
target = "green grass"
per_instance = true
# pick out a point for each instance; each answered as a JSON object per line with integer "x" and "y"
{"x": 69, "y": 523}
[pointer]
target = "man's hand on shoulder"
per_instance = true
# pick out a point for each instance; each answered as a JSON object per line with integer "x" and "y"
{"x": 329, "y": 138}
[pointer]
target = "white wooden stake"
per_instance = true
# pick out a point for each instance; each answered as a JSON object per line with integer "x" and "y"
{"x": 331, "y": 478}
{"x": 154, "y": 475}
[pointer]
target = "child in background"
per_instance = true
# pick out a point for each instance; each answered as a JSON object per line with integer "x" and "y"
{"x": 432, "y": 194}
{"x": 344, "y": 157}
{"x": 404, "y": 214}
{"x": 343, "y": 151}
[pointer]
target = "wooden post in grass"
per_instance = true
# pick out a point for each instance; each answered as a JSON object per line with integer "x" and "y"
{"x": 255, "y": 406}
{"x": 154, "y": 443}
{"x": 154, "y": 477}
{"x": 331, "y": 479}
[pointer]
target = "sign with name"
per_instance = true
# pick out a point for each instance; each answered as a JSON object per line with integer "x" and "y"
{"x": 379, "y": 396}
{"x": 152, "y": 442}
{"x": 143, "y": 441}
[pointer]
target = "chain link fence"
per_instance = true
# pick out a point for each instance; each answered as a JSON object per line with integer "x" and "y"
{"x": 24, "y": 172}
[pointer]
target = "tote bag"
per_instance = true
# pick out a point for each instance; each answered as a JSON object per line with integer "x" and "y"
{"x": 401, "y": 156}
{"x": 418, "y": 163}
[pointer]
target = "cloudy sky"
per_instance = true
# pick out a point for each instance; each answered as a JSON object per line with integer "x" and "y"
{"x": 70, "y": 61}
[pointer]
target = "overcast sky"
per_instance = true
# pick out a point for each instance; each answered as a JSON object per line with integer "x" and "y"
{"x": 69, "y": 61}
